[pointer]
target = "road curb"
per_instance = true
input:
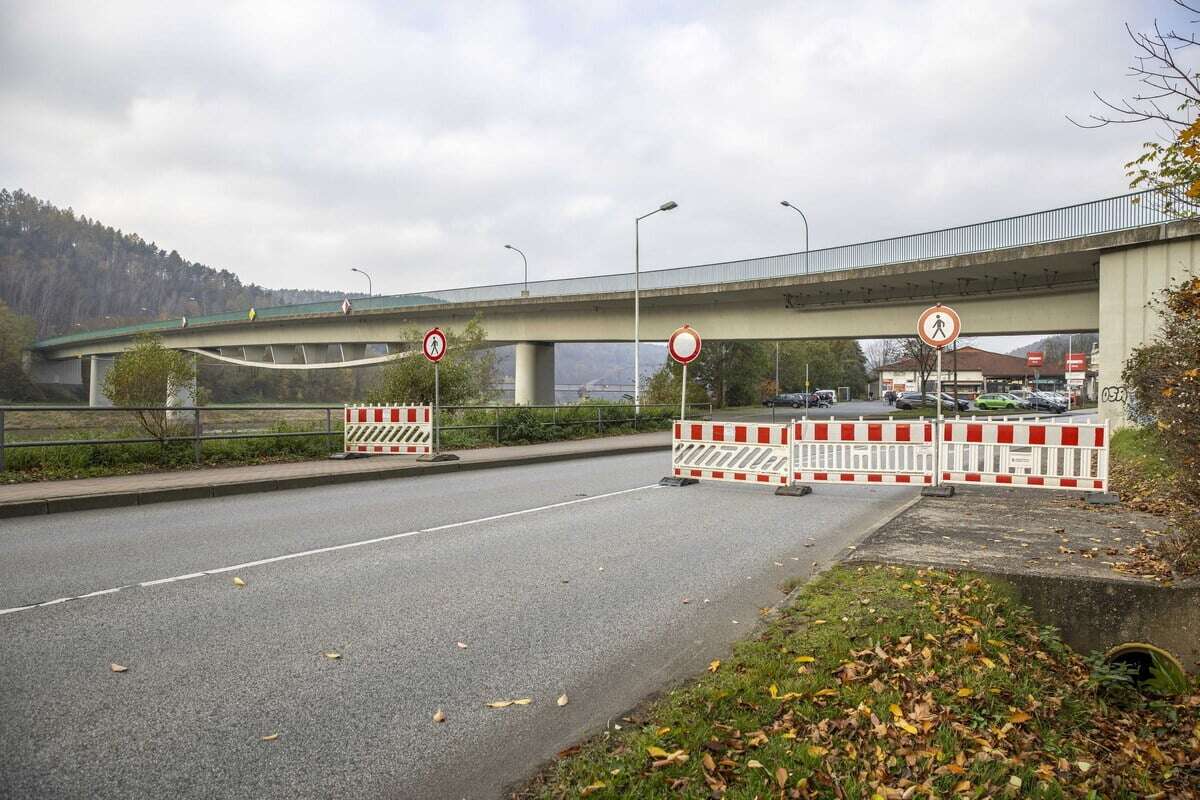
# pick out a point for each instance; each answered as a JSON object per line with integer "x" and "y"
{"x": 140, "y": 497}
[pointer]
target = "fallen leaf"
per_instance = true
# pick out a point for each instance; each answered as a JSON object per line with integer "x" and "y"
{"x": 708, "y": 763}
{"x": 592, "y": 787}
{"x": 506, "y": 703}
{"x": 269, "y": 738}
{"x": 118, "y": 668}
{"x": 1017, "y": 717}
{"x": 965, "y": 692}
{"x": 333, "y": 655}
{"x": 1083, "y": 766}
{"x": 907, "y": 726}
{"x": 781, "y": 776}
{"x": 825, "y": 693}
{"x": 714, "y": 665}
{"x": 754, "y": 764}
{"x": 896, "y": 711}
{"x": 562, "y": 699}
{"x": 461, "y": 645}
{"x": 657, "y": 752}
{"x": 1014, "y": 782}
{"x": 238, "y": 582}
{"x": 439, "y": 716}
{"x": 819, "y": 622}
{"x": 817, "y": 752}
{"x": 805, "y": 659}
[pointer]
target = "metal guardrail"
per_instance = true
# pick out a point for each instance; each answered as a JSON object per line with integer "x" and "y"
{"x": 198, "y": 435}
{"x": 1123, "y": 212}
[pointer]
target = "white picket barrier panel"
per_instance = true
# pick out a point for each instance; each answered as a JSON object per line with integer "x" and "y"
{"x": 1034, "y": 453}
{"x": 388, "y": 430}
{"x": 846, "y": 451}
{"x": 731, "y": 451}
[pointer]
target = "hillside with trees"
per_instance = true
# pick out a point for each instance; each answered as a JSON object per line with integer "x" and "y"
{"x": 67, "y": 272}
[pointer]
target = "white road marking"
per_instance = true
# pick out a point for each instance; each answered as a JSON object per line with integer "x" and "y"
{"x": 330, "y": 549}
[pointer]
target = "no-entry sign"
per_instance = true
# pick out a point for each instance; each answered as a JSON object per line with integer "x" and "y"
{"x": 434, "y": 345}
{"x": 938, "y": 326}
{"x": 684, "y": 345}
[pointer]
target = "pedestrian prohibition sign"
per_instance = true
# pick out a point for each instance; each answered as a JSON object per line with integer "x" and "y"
{"x": 684, "y": 345}
{"x": 938, "y": 326}
{"x": 434, "y": 346}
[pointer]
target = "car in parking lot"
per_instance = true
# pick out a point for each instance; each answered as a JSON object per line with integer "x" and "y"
{"x": 793, "y": 399}
{"x": 995, "y": 401}
{"x": 1044, "y": 402}
{"x": 923, "y": 400}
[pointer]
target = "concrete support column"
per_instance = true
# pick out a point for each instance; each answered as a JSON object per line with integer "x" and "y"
{"x": 100, "y": 365}
{"x": 1129, "y": 279}
{"x": 534, "y": 373}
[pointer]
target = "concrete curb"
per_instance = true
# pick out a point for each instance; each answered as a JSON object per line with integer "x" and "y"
{"x": 141, "y": 497}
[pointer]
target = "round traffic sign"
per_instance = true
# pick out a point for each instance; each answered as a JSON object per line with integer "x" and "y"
{"x": 939, "y": 325}
{"x": 434, "y": 346}
{"x": 684, "y": 345}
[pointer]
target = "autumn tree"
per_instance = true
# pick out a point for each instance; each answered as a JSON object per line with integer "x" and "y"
{"x": 1169, "y": 98}
{"x": 16, "y": 333}
{"x": 146, "y": 375}
{"x": 1165, "y": 378}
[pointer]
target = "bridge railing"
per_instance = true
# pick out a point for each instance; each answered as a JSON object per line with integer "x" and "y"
{"x": 1123, "y": 212}
{"x": 38, "y": 426}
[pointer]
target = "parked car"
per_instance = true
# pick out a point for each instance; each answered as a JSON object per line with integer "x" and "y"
{"x": 793, "y": 399}
{"x": 995, "y": 401}
{"x": 929, "y": 400}
{"x": 1041, "y": 402}
{"x": 960, "y": 404}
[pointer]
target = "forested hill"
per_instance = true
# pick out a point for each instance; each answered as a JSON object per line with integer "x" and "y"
{"x": 69, "y": 272}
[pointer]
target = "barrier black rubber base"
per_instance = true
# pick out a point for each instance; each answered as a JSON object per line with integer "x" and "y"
{"x": 795, "y": 490}
{"x": 438, "y": 457}
{"x": 944, "y": 490}
{"x": 671, "y": 480}
{"x": 1103, "y": 498}
{"x": 347, "y": 456}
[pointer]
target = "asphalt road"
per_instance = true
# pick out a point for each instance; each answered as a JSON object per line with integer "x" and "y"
{"x": 559, "y": 578}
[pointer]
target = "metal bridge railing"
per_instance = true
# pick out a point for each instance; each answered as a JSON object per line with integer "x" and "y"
{"x": 1124, "y": 212}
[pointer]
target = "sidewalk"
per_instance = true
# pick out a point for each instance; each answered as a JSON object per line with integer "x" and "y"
{"x": 50, "y": 497}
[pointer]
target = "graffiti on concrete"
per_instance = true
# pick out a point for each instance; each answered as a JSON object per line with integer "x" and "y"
{"x": 1114, "y": 394}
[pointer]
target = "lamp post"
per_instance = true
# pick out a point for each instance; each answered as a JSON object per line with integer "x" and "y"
{"x": 786, "y": 204}
{"x": 370, "y": 287}
{"x": 525, "y": 291}
{"x": 637, "y": 320}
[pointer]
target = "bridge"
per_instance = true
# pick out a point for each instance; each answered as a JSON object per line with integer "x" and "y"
{"x": 1081, "y": 268}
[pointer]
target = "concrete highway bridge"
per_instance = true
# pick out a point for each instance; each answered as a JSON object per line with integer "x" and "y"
{"x": 1090, "y": 267}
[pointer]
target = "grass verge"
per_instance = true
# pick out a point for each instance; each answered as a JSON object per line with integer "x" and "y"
{"x": 884, "y": 682}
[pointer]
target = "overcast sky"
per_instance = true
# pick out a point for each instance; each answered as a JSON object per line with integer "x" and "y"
{"x": 290, "y": 141}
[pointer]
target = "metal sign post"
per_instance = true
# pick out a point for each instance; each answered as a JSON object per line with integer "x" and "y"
{"x": 433, "y": 347}
{"x": 938, "y": 326}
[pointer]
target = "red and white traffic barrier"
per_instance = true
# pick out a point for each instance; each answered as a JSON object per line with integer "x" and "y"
{"x": 744, "y": 452}
{"x": 388, "y": 430}
{"x": 841, "y": 451}
{"x": 1035, "y": 453}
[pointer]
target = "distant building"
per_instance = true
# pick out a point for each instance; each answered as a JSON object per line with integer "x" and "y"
{"x": 978, "y": 371}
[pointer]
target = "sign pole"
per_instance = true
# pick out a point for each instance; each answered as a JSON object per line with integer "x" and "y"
{"x": 437, "y": 411}
{"x": 937, "y": 431}
{"x": 683, "y": 396}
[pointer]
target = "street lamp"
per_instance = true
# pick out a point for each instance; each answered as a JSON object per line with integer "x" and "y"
{"x": 370, "y": 289}
{"x": 637, "y": 320}
{"x": 525, "y": 291}
{"x": 786, "y": 204}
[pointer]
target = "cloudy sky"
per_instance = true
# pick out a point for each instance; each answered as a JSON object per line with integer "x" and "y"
{"x": 290, "y": 141}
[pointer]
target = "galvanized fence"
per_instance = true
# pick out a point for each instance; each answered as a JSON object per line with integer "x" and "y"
{"x": 189, "y": 422}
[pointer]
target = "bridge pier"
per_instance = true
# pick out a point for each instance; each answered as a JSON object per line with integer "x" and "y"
{"x": 534, "y": 378}
{"x": 100, "y": 365}
{"x": 1129, "y": 280}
